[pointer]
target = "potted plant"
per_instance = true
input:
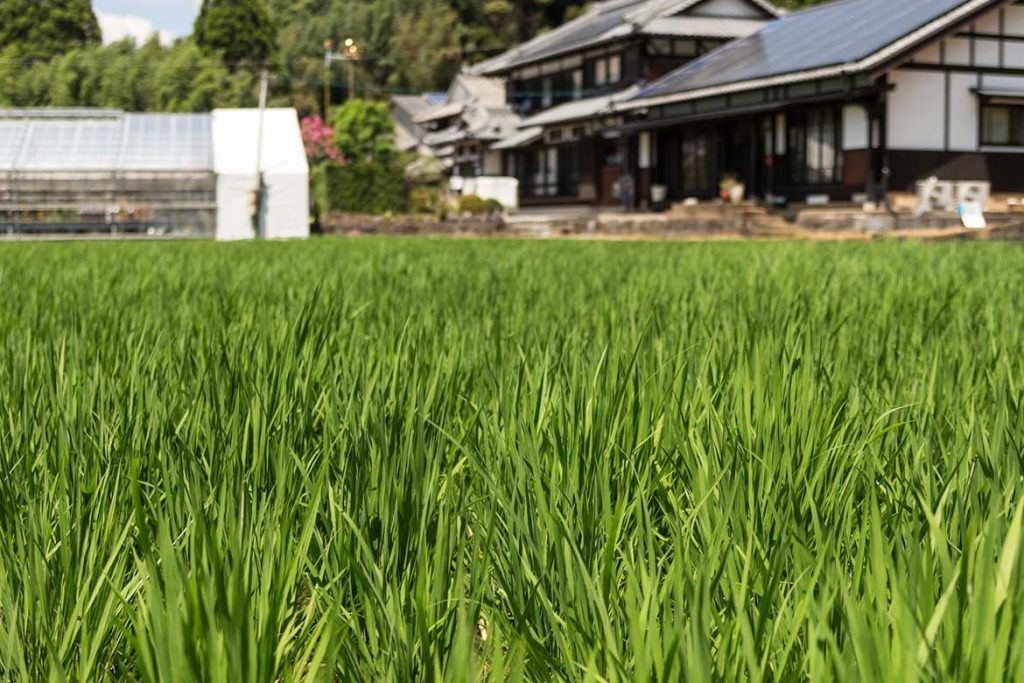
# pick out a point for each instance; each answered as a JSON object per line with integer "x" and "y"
{"x": 732, "y": 189}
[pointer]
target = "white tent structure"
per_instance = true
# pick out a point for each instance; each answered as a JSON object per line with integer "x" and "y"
{"x": 191, "y": 175}
{"x": 240, "y": 156}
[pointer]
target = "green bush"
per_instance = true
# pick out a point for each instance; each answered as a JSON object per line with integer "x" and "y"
{"x": 374, "y": 188}
{"x": 427, "y": 200}
{"x": 476, "y": 206}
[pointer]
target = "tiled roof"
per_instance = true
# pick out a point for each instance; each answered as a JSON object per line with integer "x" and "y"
{"x": 614, "y": 19}
{"x": 580, "y": 109}
{"x": 520, "y": 138}
{"x": 441, "y": 111}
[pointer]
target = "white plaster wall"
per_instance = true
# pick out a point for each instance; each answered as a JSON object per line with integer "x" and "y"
{"x": 958, "y": 51}
{"x": 963, "y": 112}
{"x": 932, "y": 54}
{"x": 916, "y": 110}
{"x": 918, "y": 103}
{"x": 986, "y": 52}
{"x": 855, "y": 127}
{"x": 988, "y": 23}
{"x": 502, "y": 189}
{"x": 1014, "y": 23}
{"x": 492, "y": 163}
{"x": 1013, "y": 53}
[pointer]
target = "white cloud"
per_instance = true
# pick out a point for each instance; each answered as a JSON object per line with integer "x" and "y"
{"x": 117, "y": 27}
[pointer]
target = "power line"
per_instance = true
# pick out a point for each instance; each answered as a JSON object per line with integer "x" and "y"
{"x": 258, "y": 64}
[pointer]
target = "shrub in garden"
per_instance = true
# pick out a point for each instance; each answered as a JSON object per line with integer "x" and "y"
{"x": 361, "y": 187}
{"x": 477, "y": 206}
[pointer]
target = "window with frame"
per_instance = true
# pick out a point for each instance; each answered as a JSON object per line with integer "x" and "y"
{"x": 1002, "y": 124}
{"x": 814, "y": 147}
{"x": 685, "y": 47}
{"x": 615, "y": 69}
{"x": 553, "y": 172}
{"x": 538, "y": 172}
{"x": 660, "y": 47}
{"x": 577, "y": 84}
{"x": 543, "y": 92}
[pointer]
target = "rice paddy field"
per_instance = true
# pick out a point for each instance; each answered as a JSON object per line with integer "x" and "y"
{"x": 402, "y": 460}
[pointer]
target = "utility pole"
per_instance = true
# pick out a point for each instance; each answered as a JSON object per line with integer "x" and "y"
{"x": 261, "y": 188}
{"x": 351, "y": 80}
{"x": 328, "y": 52}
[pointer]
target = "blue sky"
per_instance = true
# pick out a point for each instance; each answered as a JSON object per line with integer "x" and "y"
{"x": 141, "y": 18}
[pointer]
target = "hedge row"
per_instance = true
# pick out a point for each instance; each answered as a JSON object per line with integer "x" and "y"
{"x": 373, "y": 188}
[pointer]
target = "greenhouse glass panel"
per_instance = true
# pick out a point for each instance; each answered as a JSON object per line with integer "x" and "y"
{"x": 12, "y": 133}
{"x": 70, "y": 145}
{"x": 101, "y": 170}
{"x": 172, "y": 142}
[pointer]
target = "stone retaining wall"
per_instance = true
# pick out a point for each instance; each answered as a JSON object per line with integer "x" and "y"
{"x": 361, "y": 224}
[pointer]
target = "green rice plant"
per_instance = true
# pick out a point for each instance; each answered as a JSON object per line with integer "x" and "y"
{"x": 398, "y": 460}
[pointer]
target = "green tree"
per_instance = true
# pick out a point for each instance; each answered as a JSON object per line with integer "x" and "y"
{"x": 187, "y": 80}
{"x": 427, "y": 50}
{"x": 238, "y": 30}
{"x": 19, "y": 80}
{"x": 40, "y": 29}
{"x": 364, "y": 131}
{"x": 181, "y": 78}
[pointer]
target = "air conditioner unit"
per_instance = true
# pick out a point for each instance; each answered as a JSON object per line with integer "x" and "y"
{"x": 935, "y": 195}
{"x": 975, "y": 191}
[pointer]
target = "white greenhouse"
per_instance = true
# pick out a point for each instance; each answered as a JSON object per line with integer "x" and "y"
{"x": 191, "y": 175}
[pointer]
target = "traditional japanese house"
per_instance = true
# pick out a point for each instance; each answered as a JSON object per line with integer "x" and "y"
{"x": 568, "y": 149}
{"x": 846, "y": 100}
{"x": 460, "y": 130}
{"x": 409, "y": 135}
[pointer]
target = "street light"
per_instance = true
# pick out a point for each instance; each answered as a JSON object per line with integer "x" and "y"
{"x": 349, "y": 54}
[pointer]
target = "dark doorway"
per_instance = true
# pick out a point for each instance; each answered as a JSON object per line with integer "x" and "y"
{"x": 610, "y": 158}
{"x": 742, "y": 157}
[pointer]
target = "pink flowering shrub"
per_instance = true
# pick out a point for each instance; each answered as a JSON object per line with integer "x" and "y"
{"x": 318, "y": 139}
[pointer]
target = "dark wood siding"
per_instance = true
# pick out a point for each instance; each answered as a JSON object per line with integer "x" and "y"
{"x": 1002, "y": 169}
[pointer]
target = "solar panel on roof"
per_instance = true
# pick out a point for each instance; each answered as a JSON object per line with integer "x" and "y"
{"x": 616, "y": 19}
{"x": 575, "y": 34}
{"x": 828, "y": 35}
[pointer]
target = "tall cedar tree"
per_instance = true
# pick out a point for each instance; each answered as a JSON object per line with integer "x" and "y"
{"x": 241, "y": 31}
{"x": 41, "y": 29}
